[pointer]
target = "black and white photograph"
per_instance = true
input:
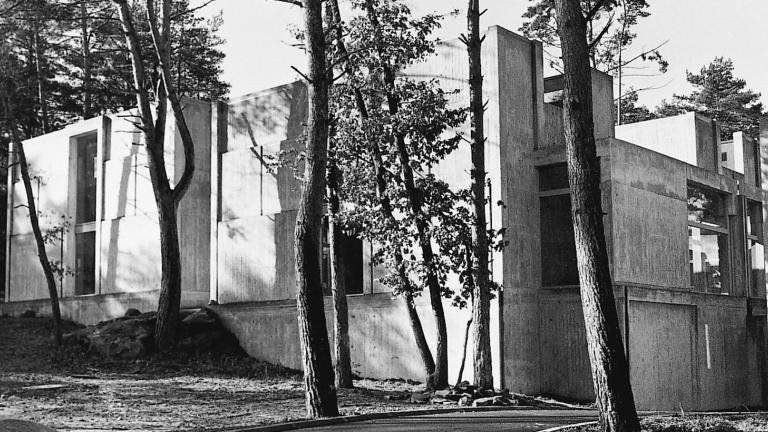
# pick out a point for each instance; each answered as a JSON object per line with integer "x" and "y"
{"x": 383, "y": 215}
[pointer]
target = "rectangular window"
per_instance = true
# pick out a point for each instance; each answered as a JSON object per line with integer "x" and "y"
{"x": 553, "y": 177}
{"x": 350, "y": 251}
{"x": 708, "y": 242}
{"x": 85, "y": 263}
{"x": 86, "y": 179}
{"x": 85, "y": 215}
{"x": 755, "y": 252}
{"x": 558, "y": 248}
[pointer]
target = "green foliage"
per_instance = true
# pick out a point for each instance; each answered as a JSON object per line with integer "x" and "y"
{"x": 720, "y": 96}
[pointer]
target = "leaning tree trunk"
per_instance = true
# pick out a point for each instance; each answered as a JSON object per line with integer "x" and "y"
{"x": 610, "y": 373}
{"x": 316, "y": 353}
{"x": 42, "y": 254}
{"x": 386, "y": 207}
{"x": 440, "y": 376}
{"x": 481, "y": 314}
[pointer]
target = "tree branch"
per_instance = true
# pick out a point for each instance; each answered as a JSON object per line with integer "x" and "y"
{"x": 595, "y": 9}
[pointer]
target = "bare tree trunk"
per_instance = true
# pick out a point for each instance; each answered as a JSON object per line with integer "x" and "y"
{"x": 440, "y": 376}
{"x": 169, "y": 300}
{"x": 610, "y": 374}
{"x": 386, "y": 208}
{"x": 318, "y": 369}
{"x": 481, "y": 315}
{"x": 39, "y": 72}
{"x": 343, "y": 365}
{"x": 464, "y": 352}
{"x": 167, "y": 198}
{"x": 86, "y": 58}
{"x": 42, "y": 254}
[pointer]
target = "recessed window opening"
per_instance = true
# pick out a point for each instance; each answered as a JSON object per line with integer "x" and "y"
{"x": 708, "y": 242}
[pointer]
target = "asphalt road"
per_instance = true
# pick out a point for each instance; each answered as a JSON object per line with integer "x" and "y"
{"x": 488, "y": 421}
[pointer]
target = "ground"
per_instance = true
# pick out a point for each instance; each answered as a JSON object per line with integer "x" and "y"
{"x": 69, "y": 391}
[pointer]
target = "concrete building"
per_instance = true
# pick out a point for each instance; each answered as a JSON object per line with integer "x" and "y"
{"x": 684, "y": 216}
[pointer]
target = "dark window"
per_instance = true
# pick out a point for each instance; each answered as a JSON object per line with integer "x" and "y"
{"x": 85, "y": 228}
{"x": 85, "y": 263}
{"x": 350, "y": 254}
{"x": 708, "y": 243}
{"x": 86, "y": 179}
{"x": 755, "y": 250}
{"x": 724, "y": 156}
{"x": 553, "y": 177}
{"x": 558, "y": 249}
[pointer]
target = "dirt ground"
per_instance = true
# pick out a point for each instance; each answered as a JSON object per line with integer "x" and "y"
{"x": 68, "y": 391}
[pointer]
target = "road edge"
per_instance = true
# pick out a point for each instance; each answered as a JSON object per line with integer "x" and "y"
{"x": 329, "y": 421}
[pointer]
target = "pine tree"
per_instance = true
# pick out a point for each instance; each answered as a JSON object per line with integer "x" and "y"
{"x": 610, "y": 370}
{"x": 722, "y": 97}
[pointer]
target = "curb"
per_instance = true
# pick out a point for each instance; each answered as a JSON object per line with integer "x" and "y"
{"x": 559, "y": 428}
{"x": 301, "y": 424}
{"x": 652, "y": 413}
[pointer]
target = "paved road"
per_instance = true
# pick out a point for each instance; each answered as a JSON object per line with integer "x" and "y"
{"x": 488, "y": 421}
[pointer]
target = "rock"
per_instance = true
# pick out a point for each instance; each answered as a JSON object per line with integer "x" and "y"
{"x": 132, "y": 312}
{"x": 126, "y": 338}
{"x": 200, "y": 319}
{"x": 494, "y": 401}
{"x": 439, "y": 400}
{"x": 12, "y": 425}
{"x": 442, "y": 393}
{"x": 29, "y": 313}
{"x": 420, "y": 397}
{"x": 466, "y": 400}
{"x": 454, "y": 396}
{"x": 131, "y": 337}
{"x": 45, "y": 387}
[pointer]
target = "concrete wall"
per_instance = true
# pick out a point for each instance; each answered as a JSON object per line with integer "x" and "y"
{"x": 691, "y": 138}
{"x": 381, "y": 341}
{"x": 258, "y": 201}
{"x": 698, "y": 350}
{"x": 127, "y": 258}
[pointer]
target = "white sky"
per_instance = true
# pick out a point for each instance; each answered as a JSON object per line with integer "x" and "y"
{"x": 259, "y": 57}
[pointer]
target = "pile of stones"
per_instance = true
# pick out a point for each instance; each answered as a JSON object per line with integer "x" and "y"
{"x": 466, "y": 394}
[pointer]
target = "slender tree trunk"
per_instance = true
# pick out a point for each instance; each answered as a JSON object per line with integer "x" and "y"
{"x": 86, "y": 58}
{"x": 318, "y": 369}
{"x": 343, "y": 365}
{"x": 440, "y": 376}
{"x": 39, "y": 76}
{"x": 464, "y": 352}
{"x": 381, "y": 187}
{"x": 167, "y": 198}
{"x": 169, "y": 300}
{"x": 481, "y": 314}
{"x": 610, "y": 374}
{"x": 42, "y": 254}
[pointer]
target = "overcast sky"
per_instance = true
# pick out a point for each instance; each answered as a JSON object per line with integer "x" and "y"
{"x": 258, "y": 54}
